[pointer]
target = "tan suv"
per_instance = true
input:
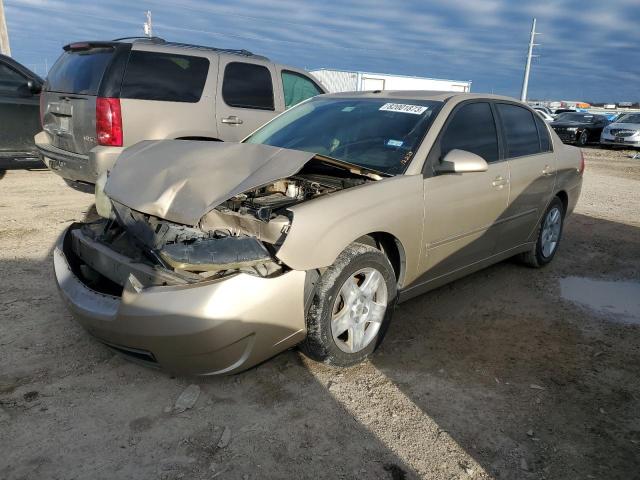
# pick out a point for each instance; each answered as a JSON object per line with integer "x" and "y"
{"x": 101, "y": 97}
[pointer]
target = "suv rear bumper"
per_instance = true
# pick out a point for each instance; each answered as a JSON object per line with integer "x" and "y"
{"x": 73, "y": 166}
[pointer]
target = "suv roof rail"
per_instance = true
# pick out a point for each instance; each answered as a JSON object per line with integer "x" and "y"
{"x": 243, "y": 52}
{"x": 151, "y": 39}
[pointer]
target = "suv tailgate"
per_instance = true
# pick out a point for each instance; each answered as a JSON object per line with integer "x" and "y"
{"x": 74, "y": 82}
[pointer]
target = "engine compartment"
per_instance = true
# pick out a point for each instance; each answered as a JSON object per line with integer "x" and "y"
{"x": 242, "y": 234}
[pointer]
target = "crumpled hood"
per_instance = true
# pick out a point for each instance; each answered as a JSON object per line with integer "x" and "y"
{"x": 181, "y": 180}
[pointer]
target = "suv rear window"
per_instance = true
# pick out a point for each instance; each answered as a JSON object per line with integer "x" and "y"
{"x": 79, "y": 72}
{"x": 247, "y": 85}
{"x": 164, "y": 76}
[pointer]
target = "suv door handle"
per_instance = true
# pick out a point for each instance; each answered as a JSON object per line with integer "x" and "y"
{"x": 546, "y": 171}
{"x": 499, "y": 182}
{"x": 232, "y": 120}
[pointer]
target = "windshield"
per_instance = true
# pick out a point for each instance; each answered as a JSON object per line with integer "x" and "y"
{"x": 379, "y": 134}
{"x": 577, "y": 117}
{"x": 629, "y": 118}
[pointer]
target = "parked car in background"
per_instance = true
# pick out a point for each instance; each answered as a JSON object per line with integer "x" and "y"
{"x": 544, "y": 115}
{"x": 579, "y": 128}
{"x": 212, "y": 257}
{"x": 558, "y": 111}
{"x": 19, "y": 114}
{"x": 625, "y": 131}
{"x": 545, "y": 110}
{"x": 101, "y": 97}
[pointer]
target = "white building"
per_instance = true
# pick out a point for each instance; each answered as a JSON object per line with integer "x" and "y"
{"x": 350, "y": 81}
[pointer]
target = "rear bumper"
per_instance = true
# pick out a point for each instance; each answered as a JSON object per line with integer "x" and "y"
{"x": 75, "y": 167}
{"x": 208, "y": 328}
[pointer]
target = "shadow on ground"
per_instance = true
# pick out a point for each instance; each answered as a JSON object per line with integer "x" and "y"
{"x": 528, "y": 385}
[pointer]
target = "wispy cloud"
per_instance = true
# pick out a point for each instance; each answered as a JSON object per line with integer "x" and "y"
{"x": 586, "y": 48}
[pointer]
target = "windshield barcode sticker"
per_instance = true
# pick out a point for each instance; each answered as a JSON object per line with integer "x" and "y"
{"x": 404, "y": 108}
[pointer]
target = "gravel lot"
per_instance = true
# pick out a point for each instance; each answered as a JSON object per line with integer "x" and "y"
{"x": 494, "y": 376}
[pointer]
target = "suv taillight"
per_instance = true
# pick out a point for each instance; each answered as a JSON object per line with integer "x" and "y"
{"x": 108, "y": 122}
{"x": 581, "y": 162}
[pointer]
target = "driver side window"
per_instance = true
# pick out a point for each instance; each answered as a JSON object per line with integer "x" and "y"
{"x": 473, "y": 129}
{"x": 10, "y": 80}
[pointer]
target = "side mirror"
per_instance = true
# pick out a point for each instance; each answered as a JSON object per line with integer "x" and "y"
{"x": 34, "y": 87}
{"x": 461, "y": 161}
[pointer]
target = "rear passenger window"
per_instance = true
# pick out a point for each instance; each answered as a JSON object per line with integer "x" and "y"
{"x": 164, "y": 76}
{"x": 520, "y": 130}
{"x": 543, "y": 133}
{"x": 246, "y": 85}
{"x": 473, "y": 129}
{"x": 297, "y": 88}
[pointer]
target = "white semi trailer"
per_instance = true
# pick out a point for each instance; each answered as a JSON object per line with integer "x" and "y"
{"x": 352, "y": 81}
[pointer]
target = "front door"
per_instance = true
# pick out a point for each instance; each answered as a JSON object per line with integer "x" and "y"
{"x": 246, "y": 99}
{"x": 462, "y": 210}
{"x": 19, "y": 112}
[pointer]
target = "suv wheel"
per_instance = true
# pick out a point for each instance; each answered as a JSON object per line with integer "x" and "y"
{"x": 351, "y": 308}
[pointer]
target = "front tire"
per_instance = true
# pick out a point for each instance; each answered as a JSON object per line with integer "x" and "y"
{"x": 583, "y": 138}
{"x": 352, "y": 307}
{"x": 548, "y": 236}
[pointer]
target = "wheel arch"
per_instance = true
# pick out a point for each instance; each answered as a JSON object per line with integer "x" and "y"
{"x": 564, "y": 198}
{"x": 393, "y": 249}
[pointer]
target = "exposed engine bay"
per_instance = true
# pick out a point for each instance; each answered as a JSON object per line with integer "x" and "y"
{"x": 242, "y": 234}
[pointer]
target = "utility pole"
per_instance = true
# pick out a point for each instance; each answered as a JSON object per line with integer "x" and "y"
{"x": 148, "y": 26}
{"x": 4, "y": 35}
{"x": 527, "y": 68}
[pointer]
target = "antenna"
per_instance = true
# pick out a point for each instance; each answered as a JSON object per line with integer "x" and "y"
{"x": 527, "y": 68}
{"x": 148, "y": 26}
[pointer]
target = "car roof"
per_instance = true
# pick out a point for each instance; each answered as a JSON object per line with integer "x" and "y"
{"x": 21, "y": 68}
{"x": 421, "y": 95}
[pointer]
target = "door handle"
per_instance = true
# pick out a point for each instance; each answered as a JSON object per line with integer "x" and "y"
{"x": 499, "y": 181}
{"x": 232, "y": 120}
{"x": 546, "y": 171}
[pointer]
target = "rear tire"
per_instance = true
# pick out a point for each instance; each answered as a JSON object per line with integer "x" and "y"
{"x": 548, "y": 236}
{"x": 343, "y": 300}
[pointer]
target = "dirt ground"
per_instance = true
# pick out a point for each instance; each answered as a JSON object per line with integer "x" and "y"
{"x": 494, "y": 376}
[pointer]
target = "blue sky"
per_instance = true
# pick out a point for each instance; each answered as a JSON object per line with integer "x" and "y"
{"x": 590, "y": 49}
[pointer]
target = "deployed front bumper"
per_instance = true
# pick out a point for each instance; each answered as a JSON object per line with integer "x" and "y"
{"x": 213, "y": 327}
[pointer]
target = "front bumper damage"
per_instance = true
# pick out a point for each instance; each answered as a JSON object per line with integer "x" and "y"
{"x": 211, "y": 327}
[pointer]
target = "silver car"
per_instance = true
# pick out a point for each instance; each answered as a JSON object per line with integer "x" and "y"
{"x": 624, "y": 131}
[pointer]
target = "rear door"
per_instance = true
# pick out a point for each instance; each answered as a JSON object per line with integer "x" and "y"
{"x": 532, "y": 164}
{"x": 462, "y": 211}
{"x": 70, "y": 93}
{"x": 247, "y": 97}
{"x": 19, "y": 111}
{"x": 297, "y": 87}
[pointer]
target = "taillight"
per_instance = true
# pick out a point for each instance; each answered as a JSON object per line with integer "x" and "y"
{"x": 581, "y": 171}
{"x": 108, "y": 122}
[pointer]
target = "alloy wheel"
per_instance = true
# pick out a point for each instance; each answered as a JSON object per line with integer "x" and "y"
{"x": 359, "y": 310}
{"x": 551, "y": 232}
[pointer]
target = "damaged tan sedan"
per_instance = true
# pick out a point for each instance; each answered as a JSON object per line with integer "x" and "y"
{"x": 212, "y": 257}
